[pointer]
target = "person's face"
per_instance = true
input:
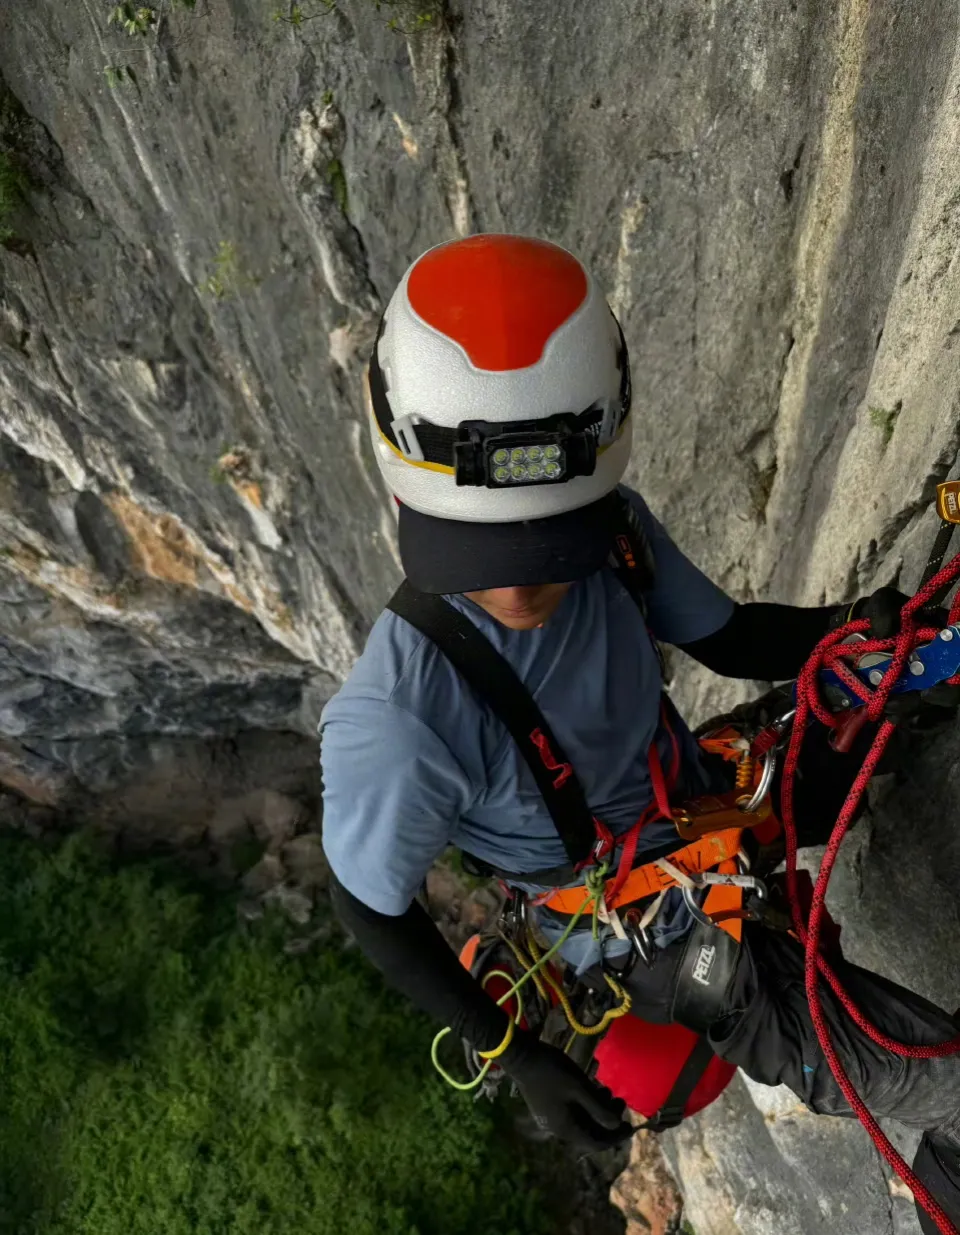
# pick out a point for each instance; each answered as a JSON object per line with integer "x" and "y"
{"x": 521, "y": 608}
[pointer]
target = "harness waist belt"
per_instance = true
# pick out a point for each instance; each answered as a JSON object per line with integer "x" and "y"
{"x": 648, "y": 880}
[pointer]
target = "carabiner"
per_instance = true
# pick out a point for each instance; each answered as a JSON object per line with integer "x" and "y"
{"x": 711, "y": 879}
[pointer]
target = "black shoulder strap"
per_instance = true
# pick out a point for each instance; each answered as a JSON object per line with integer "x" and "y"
{"x": 631, "y": 556}
{"x": 493, "y": 678}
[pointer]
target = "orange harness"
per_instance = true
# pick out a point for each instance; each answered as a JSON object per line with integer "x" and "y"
{"x": 715, "y": 825}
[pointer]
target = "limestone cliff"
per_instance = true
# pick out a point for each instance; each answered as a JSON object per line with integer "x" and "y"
{"x": 202, "y": 216}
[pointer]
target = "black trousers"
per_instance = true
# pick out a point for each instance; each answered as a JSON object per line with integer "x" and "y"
{"x": 765, "y": 1029}
{"x": 763, "y": 1022}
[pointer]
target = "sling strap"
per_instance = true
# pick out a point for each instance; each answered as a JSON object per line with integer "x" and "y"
{"x": 493, "y": 679}
{"x": 688, "y": 1078}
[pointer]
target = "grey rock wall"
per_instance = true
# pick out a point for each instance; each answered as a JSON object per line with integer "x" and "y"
{"x": 193, "y": 540}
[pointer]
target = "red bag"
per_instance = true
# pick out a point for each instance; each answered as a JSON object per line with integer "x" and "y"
{"x": 641, "y": 1063}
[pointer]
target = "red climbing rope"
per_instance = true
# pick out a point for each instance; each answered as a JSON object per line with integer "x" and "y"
{"x": 829, "y": 654}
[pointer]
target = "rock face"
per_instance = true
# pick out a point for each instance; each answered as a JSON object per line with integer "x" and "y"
{"x": 200, "y": 225}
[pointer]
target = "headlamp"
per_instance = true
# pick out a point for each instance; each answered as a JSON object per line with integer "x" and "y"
{"x": 523, "y": 452}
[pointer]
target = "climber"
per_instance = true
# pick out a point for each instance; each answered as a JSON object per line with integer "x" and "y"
{"x": 500, "y": 412}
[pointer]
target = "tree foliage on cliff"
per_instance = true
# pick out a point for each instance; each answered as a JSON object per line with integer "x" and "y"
{"x": 168, "y": 1070}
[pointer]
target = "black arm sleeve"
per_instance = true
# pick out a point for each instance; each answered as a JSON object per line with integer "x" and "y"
{"x": 765, "y": 641}
{"x": 414, "y": 958}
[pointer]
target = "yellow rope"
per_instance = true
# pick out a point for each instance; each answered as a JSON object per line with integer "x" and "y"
{"x": 595, "y": 883}
{"x": 612, "y": 1014}
{"x": 507, "y": 1038}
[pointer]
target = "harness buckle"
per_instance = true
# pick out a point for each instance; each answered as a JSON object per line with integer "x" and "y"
{"x": 605, "y": 842}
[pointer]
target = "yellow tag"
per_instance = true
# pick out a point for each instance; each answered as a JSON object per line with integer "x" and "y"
{"x": 948, "y": 501}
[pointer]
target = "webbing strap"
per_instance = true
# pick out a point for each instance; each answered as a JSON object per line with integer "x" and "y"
{"x": 659, "y": 808}
{"x": 494, "y": 680}
{"x": 688, "y": 1078}
{"x": 647, "y": 880}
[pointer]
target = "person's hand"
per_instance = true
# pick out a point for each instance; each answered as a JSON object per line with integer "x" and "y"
{"x": 562, "y": 1098}
{"x": 882, "y": 610}
{"x": 927, "y": 709}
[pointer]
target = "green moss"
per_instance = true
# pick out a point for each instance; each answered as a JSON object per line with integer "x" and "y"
{"x": 885, "y": 420}
{"x": 452, "y": 859}
{"x": 338, "y": 182}
{"x": 227, "y": 278}
{"x": 167, "y": 1071}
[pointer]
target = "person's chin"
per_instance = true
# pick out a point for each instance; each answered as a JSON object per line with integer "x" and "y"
{"x": 520, "y": 621}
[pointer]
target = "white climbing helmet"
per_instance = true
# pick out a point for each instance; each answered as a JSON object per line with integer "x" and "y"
{"x": 499, "y": 399}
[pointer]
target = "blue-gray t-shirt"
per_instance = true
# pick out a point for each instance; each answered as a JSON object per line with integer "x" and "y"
{"x": 413, "y": 761}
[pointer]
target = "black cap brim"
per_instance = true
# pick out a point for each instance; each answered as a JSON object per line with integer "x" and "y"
{"x": 447, "y": 555}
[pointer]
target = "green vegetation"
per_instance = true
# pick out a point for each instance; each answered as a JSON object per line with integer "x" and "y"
{"x": 295, "y": 15}
{"x": 885, "y": 420}
{"x": 116, "y": 74}
{"x": 338, "y": 182}
{"x": 228, "y": 278}
{"x": 13, "y": 185}
{"x": 410, "y": 24}
{"x": 135, "y": 19}
{"x": 404, "y": 19}
{"x": 168, "y": 1070}
{"x": 138, "y": 21}
{"x": 452, "y": 859}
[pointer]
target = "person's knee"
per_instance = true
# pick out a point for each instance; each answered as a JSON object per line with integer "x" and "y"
{"x": 937, "y": 1166}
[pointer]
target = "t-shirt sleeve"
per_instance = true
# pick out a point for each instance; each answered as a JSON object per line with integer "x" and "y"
{"x": 392, "y": 792}
{"x": 683, "y": 604}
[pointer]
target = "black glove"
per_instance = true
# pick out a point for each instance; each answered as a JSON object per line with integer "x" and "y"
{"x": 881, "y": 608}
{"x": 927, "y": 709}
{"x": 562, "y": 1098}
